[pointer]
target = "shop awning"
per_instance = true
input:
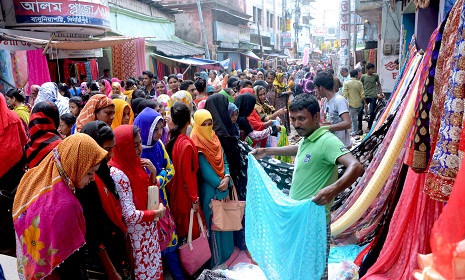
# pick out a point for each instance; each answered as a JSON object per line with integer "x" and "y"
{"x": 173, "y": 48}
{"x": 278, "y": 55}
{"x": 250, "y": 54}
{"x": 69, "y": 45}
{"x": 192, "y": 61}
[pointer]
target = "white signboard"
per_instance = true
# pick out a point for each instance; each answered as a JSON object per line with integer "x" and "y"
{"x": 344, "y": 31}
{"x": 320, "y": 31}
{"x": 15, "y": 45}
{"x": 76, "y": 53}
{"x": 388, "y": 73}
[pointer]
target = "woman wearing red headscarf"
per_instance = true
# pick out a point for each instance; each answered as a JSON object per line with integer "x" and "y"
{"x": 13, "y": 138}
{"x": 128, "y": 171}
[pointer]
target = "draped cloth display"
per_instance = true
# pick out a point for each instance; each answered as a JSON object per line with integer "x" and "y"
{"x": 409, "y": 229}
{"x": 19, "y": 63}
{"x": 445, "y": 160}
{"x": 5, "y": 69}
{"x": 418, "y": 152}
{"x": 128, "y": 59}
{"x": 449, "y": 229}
{"x": 37, "y": 67}
{"x": 365, "y": 226}
{"x": 286, "y": 237}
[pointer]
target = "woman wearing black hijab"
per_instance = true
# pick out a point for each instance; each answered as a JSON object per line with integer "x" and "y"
{"x": 217, "y": 105}
{"x": 246, "y": 104}
{"x": 105, "y": 250}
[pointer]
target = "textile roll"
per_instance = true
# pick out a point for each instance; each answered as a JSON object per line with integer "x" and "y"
{"x": 381, "y": 174}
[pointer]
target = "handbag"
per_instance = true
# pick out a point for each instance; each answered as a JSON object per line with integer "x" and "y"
{"x": 227, "y": 215}
{"x": 195, "y": 253}
{"x": 166, "y": 227}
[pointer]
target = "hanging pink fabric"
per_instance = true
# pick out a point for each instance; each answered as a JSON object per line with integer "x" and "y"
{"x": 140, "y": 53}
{"x": 409, "y": 229}
{"x": 37, "y": 67}
{"x": 94, "y": 68}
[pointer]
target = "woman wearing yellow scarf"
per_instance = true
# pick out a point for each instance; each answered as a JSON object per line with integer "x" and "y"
{"x": 123, "y": 113}
{"x": 279, "y": 83}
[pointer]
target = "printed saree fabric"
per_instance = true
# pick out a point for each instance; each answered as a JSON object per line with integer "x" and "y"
{"x": 409, "y": 229}
{"x": 418, "y": 152}
{"x": 445, "y": 161}
{"x": 449, "y": 230}
{"x": 286, "y": 237}
{"x": 367, "y": 224}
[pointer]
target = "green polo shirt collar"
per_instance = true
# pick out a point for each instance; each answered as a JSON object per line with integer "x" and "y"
{"x": 317, "y": 133}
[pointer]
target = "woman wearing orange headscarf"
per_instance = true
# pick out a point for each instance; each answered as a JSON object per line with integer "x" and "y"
{"x": 123, "y": 113}
{"x": 214, "y": 182}
{"x": 47, "y": 216}
{"x": 99, "y": 107}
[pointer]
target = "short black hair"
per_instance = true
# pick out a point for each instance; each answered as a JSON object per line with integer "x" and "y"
{"x": 138, "y": 93}
{"x": 185, "y": 84}
{"x": 172, "y": 76}
{"x": 330, "y": 71}
{"x": 396, "y": 61}
{"x": 279, "y": 67}
{"x": 232, "y": 81}
{"x": 261, "y": 83}
{"x": 148, "y": 73}
{"x": 245, "y": 83}
{"x": 17, "y": 94}
{"x": 92, "y": 86}
{"x": 370, "y": 66}
{"x": 78, "y": 101}
{"x": 270, "y": 72}
{"x": 344, "y": 69}
{"x": 68, "y": 118}
{"x": 129, "y": 84}
{"x": 324, "y": 79}
{"x": 363, "y": 61}
{"x": 305, "y": 101}
{"x": 106, "y": 70}
{"x": 353, "y": 73}
{"x": 200, "y": 84}
{"x": 241, "y": 74}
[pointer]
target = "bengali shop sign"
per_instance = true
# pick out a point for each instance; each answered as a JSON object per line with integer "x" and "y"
{"x": 90, "y": 12}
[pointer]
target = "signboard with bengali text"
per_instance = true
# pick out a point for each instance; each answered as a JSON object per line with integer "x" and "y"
{"x": 90, "y": 12}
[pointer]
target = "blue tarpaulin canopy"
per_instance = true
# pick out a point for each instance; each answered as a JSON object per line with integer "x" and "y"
{"x": 192, "y": 61}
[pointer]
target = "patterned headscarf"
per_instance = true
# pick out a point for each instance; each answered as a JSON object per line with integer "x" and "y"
{"x": 87, "y": 114}
{"x": 181, "y": 96}
{"x": 43, "y": 127}
{"x": 47, "y": 216}
{"x": 49, "y": 92}
{"x": 84, "y": 88}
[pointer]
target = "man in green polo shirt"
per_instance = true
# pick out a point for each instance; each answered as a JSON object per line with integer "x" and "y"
{"x": 317, "y": 156}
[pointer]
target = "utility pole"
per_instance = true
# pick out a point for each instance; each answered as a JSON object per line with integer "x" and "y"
{"x": 204, "y": 33}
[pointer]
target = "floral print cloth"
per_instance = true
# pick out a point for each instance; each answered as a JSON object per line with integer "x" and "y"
{"x": 143, "y": 235}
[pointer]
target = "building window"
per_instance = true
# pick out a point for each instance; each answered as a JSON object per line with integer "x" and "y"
{"x": 280, "y": 23}
{"x": 257, "y": 15}
{"x": 269, "y": 20}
